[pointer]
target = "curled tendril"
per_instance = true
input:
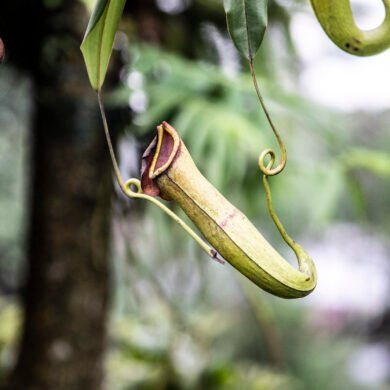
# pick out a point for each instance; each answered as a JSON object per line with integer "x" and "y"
{"x": 304, "y": 260}
{"x": 301, "y": 254}
{"x": 271, "y": 154}
{"x": 268, "y": 169}
{"x": 129, "y": 192}
{"x": 140, "y": 195}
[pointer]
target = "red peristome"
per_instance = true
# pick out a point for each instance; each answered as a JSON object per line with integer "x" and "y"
{"x": 167, "y": 146}
{"x": 148, "y": 185}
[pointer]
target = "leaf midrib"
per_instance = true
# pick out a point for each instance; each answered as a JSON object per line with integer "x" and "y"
{"x": 247, "y": 31}
{"x": 104, "y": 17}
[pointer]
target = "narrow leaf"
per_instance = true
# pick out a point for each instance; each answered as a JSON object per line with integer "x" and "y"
{"x": 247, "y": 21}
{"x": 99, "y": 39}
{"x": 375, "y": 161}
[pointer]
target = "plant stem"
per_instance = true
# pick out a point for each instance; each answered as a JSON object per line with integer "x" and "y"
{"x": 119, "y": 178}
{"x": 269, "y": 171}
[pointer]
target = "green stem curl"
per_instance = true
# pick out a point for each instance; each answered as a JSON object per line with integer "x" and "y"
{"x": 269, "y": 170}
{"x": 304, "y": 260}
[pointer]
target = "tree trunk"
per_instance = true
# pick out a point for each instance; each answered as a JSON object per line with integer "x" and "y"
{"x": 67, "y": 284}
{"x": 66, "y": 292}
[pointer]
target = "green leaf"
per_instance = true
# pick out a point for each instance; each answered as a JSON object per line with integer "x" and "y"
{"x": 247, "y": 21}
{"x": 375, "y": 161}
{"x": 99, "y": 39}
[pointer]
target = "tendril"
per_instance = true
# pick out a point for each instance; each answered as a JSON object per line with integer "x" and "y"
{"x": 303, "y": 258}
{"x": 133, "y": 194}
{"x": 289, "y": 241}
{"x": 268, "y": 169}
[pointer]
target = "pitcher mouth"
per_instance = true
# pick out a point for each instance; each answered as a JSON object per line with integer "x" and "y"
{"x": 158, "y": 157}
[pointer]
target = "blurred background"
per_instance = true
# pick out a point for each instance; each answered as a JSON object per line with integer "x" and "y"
{"x": 97, "y": 291}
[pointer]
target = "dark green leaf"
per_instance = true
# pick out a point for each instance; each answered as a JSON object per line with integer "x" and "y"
{"x": 247, "y": 21}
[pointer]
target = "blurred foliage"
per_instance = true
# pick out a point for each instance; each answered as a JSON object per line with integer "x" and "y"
{"x": 9, "y": 331}
{"x": 152, "y": 354}
{"x": 14, "y": 117}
